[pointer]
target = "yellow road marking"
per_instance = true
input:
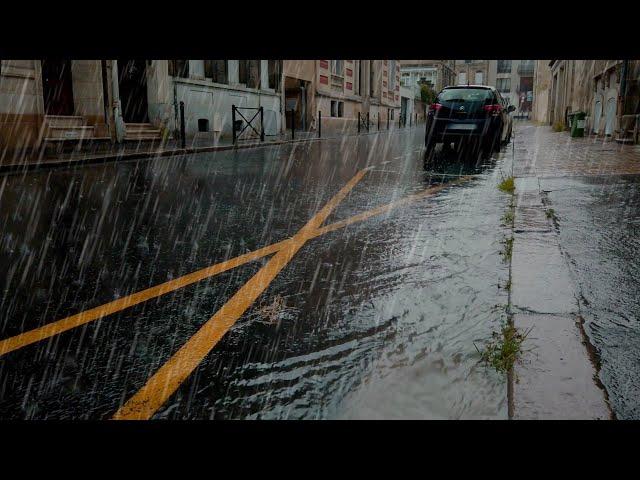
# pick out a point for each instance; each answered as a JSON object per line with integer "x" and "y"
{"x": 171, "y": 375}
{"x": 389, "y": 206}
{"x": 54, "y": 328}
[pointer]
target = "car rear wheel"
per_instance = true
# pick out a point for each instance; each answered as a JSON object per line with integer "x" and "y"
{"x": 429, "y": 155}
{"x": 496, "y": 141}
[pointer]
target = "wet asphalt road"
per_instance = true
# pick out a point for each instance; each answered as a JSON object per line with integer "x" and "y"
{"x": 375, "y": 320}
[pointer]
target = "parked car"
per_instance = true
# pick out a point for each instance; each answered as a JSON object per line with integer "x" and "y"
{"x": 476, "y": 118}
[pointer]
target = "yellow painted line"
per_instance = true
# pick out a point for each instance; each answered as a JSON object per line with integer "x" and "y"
{"x": 54, "y": 328}
{"x": 390, "y": 206}
{"x": 171, "y": 375}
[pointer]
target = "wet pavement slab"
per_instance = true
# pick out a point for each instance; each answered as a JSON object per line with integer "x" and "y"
{"x": 377, "y": 319}
{"x": 599, "y": 221}
{"x": 578, "y": 277}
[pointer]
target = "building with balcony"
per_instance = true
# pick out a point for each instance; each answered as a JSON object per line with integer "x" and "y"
{"x": 514, "y": 80}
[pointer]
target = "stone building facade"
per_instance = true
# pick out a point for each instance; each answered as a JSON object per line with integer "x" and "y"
{"x": 472, "y": 72}
{"x": 541, "y": 92}
{"x": 54, "y": 101}
{"x": 348, "y": 88}
{"x": 514, "y": 79}
{"x": 44, "y": 102}
{"x": 439, "y": 73}
{"x": 608, "y": 91}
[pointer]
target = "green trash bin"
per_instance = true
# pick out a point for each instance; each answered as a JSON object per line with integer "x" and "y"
{"x": 577, "y": 124}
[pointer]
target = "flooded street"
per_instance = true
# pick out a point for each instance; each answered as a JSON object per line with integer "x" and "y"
{"x": 375, "y": 318}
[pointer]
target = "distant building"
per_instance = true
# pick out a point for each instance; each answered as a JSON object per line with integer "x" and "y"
{"x": 437, "y": 73}
{"x": 472, "y": 72}
{"x": 514, "y": 80}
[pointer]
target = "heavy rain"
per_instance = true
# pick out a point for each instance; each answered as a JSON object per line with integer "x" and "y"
{"x": 319, "y": 239}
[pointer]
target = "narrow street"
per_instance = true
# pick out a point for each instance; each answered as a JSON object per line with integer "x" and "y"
{"x": 331, "y": 279}
{"x": 375, "y": 318}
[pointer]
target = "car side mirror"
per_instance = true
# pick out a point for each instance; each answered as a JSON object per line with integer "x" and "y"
{"x": 511, "y": 108}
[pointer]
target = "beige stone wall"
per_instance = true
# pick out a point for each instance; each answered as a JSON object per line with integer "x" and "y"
{"x": 541, "y": 92}
{"x": 471, "y": 68}
{"x": 385, "y": 92}
{"x": 300, "y": 69}
{"x": 88, "y": 99}
{"x": 21, "y": 106}
{"x": 590, "y": 86}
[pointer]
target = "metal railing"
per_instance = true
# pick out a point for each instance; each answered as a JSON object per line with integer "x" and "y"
{"x": 249, "y": 123}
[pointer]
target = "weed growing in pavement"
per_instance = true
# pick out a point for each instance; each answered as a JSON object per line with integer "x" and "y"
{"x": 507, "y": 185}
{"x": 551, "y": 213}
{"x": 558, "y": 127}
{"x": 508, "y": 217}
{"x": 505, "y": 347}
{"x": 508, "y": 249}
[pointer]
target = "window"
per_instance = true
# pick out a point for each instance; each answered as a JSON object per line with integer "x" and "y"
{"x": 337, "y": 67}
{"x": 504, "y": 66}
{"x": 275, "y": 69}
{"x": 341, "y": 109}
{"x": 249, "y": 73}
{"x": 462, "y": 78}
{"x": 203, "y": 125}
{"x": 503, "y": 84}
{"x": 179, "y": 68}
{"x": 334, "y": 108}
{"x": 526, "y": 67}
{"x": 479, "y": 78}
{"x": 216, "y": 70}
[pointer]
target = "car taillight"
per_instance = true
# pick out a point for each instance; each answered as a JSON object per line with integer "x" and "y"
{"x": 493, "y": 109}
{"x": 435, "y": 106}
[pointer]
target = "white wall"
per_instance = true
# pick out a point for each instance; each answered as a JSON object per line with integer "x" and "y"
{"x": 202, "y": 99}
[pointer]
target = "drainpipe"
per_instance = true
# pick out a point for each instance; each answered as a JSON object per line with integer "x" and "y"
{"x": 105, "y": 95}
{"x": 117, "y": 109}
{"x": 303, "y": 100}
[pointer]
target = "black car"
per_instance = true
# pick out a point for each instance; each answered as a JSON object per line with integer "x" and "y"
{"x": 473, "y": 117}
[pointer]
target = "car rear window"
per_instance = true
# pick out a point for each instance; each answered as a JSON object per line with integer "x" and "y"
{"x": 465, "y": 95}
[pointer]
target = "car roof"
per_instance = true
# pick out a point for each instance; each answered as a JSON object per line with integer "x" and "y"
{"x": 487, "y": 87}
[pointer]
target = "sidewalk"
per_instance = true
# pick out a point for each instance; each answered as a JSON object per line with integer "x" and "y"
{"x": 137, "y": 150}
{"x": 557, "y": 377}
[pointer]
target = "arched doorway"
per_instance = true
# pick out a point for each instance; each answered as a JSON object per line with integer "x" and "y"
{"x": 132, "y": 86}
{"x": 597, "y": 115}
{"x": 610, "y": 116}
{"x": 57, "y": 87}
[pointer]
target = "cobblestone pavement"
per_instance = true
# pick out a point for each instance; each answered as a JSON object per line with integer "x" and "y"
{"x": 556, "y": 154}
